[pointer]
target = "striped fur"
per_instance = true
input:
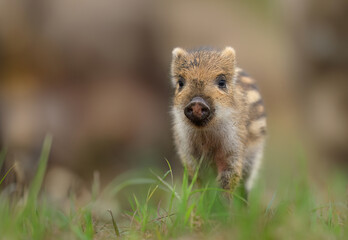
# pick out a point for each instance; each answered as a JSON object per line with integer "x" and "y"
{"x": 232, "y": 141}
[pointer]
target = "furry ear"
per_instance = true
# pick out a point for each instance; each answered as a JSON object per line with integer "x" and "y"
{"x": 229, "y": 55}
{"x": 229, "y": 52}
{"x": 178, "y": 53}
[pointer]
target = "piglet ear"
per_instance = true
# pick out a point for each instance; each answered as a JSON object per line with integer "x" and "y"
{"x": 178, "y": 53}
{"x": 229, "y": 52}
{"x": 229, "y": 56}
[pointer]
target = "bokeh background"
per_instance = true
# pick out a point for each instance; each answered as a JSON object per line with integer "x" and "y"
{"x": 95, "y": 74}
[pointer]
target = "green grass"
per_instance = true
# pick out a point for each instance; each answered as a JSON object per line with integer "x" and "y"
{"x": 167, "y": 206}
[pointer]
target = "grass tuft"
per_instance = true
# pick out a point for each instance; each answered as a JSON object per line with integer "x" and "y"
{"x": 163, "y": 207}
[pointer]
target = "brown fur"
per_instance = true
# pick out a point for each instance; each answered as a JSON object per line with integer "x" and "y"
{"x": 233, "y": 138}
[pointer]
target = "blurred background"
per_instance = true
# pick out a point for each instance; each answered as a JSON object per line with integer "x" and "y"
{"x": 95, "y": 74}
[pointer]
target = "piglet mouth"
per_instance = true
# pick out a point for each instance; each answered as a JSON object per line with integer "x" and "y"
{"x": 198, "y": 112}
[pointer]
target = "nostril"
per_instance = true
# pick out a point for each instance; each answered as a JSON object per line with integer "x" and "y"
{"x": 205, "y": 112}
{"x": 188, "y": 111}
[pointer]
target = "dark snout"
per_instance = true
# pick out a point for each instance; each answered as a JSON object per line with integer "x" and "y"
{"x": 197, "y": 111}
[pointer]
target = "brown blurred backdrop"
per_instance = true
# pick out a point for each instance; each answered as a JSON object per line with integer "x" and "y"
{"x": 95, "y": 74}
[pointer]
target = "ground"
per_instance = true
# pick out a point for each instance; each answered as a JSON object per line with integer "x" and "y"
{"x": 169, "y": 206}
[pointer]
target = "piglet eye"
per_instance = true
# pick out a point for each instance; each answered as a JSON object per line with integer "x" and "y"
{"x": 221, "y": 81}
{"x": 181, "y": 82}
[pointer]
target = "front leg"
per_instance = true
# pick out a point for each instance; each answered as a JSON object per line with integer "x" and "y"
{"x": 229, "y": 172}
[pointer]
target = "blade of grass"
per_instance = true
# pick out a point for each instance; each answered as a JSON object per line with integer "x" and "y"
{"x": 241, "y": 198}
{"x": 171, "y": 201}
{"x": 162, "y": 217}
{"x": 117, "y": 232}
{"x": 171, "y": 171}
{"x": 88, "y": 224}
{"x": 137, "y": 181}
{"x": 151, "y": 193}
{"x": 195, "y": 176}
{"x": 8, "y": 171}
{"x": 188, "y": 213}
{"x": 208, "y": 189}
{"x": 166, "y": 174}
{"x": 166, "y": 184}
{"x": 2, "y": 156}
{"x": 37, "y": 181}
{"x": 270, "y": 203}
